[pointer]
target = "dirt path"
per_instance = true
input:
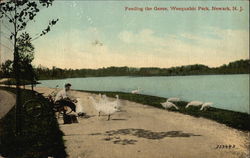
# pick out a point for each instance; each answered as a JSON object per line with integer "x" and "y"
{"x": 7, "y": 101}
{"x": 141, "y": 131}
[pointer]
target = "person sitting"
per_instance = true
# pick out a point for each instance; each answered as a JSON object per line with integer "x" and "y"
{"x": 63, "y": 98}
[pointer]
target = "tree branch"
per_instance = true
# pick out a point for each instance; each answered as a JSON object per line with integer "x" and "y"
{"x": 11, "y": 15}
{"x": 19, "y": 29}
{"x": 35, "y": 38}
{"x": 6, "y": 15}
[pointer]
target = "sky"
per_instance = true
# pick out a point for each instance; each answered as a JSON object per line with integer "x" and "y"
{"x": 95, "y": 34}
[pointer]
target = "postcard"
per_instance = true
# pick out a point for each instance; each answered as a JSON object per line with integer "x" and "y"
{"x": 124, "y": 79}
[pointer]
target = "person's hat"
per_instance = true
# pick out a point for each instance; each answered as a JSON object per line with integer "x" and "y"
{"x": 67, "y": 85}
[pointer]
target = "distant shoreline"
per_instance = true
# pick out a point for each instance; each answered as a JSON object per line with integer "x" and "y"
{"x": 144, "y": 76}
{"x": 236, "y": 67}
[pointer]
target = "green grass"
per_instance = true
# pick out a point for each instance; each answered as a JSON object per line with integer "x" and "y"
{"x": 22, "y": 82}
{"x": 41, "y": 136}
{"x": 232, "y": 119}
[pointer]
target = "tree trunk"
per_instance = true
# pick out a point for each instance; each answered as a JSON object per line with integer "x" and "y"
{"x": 32, "y": 87}
{"x": 18, "y": 91}
{"x": 17, "y": 77}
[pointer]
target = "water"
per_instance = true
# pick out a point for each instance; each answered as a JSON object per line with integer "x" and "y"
{"x": 225, "y": 91}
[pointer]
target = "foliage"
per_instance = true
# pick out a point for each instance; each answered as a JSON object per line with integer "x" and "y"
{"x": 26, "y": 56}
{"x": 18, "y": 13}
{"x": 25, "y": 47}
{"x": 237, "y": 67}
{"x": 41, "y": 137}
{"x": 6, "y": 69}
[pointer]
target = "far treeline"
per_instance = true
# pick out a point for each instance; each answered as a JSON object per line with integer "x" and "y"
{"x": 236, "y": 67}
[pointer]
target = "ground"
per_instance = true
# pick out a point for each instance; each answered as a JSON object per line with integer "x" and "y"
{"x": 141, "y": 131}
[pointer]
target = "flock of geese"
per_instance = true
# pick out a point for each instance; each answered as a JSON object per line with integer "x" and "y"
{"x": 103, "y": 105}
{"x": 170, "y": 103}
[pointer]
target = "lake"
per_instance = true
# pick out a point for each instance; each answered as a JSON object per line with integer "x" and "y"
{"x": 225, "y": 91}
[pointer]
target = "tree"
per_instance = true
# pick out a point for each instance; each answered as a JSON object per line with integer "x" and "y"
{"x": 25, "y": 47}
{"x": 7, "y": 69}
{"x": 26, "y": 56}
{"x": 18, "y": 13}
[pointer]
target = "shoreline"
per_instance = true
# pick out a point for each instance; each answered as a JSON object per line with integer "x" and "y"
{"x": 239, "y": 66}
{"x": 234, "y": 119}
{"x": 145, "y": 76}
{"x": 143, "y": 131}
{"x": 237, "y": 120}
{"x": 152, "y": 96}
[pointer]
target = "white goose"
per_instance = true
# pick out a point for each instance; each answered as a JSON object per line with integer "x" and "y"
{"x": 137, "y": 91}
{"x": 96, "y": 105}
{"x": 116, "y": 103}
{"x": 108, "y": 109}
{"x": 104, "y": 98}
{"x": 168, "y": 105}
{"x": 104, "y": 106}
{"x": 194, "y": 103}
{"x": 206, "y": 105}
{"x": 79, "y": 107}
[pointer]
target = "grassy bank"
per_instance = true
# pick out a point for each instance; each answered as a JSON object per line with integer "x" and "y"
{"x": 41, "y": 136}
{"x": 22, "y": 82}
{"x": 232, "y": 119}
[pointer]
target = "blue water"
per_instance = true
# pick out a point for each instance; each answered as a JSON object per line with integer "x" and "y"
{"x": 225, "y": 91}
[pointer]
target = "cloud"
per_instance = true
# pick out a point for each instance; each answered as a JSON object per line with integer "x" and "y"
{"x": 73, "y": 49}
{"x": 145, "y": 36}
{"x": 145, "y": 48}
{"x": 126, "y": 36}
{"x": 213, "y": 47}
